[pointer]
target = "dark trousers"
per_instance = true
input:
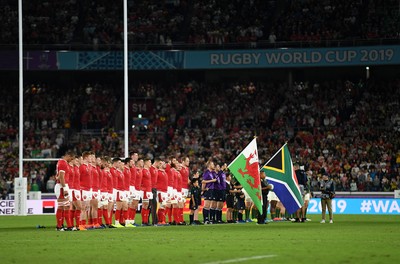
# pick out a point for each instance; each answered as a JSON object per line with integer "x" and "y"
{"x": 261, "y": 217}
{"x": 154, "y": 207}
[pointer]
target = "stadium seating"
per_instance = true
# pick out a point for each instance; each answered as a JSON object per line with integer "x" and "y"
{"x": 335, "y": 127}
{"x": 99, "y": 24}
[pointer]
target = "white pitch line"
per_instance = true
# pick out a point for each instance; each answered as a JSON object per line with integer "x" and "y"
{"x": 240, "y": 259}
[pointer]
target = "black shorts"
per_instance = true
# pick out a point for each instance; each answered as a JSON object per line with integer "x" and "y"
{"x": 240, "y": 204}
{"x": 230, "y": 201}
{"x": 219, "y": 195}
{"x": 209, "y": 194}
{"x": 194, "y": 206}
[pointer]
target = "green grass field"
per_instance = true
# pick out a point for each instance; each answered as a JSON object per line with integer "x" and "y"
{"x": 351, "y": 239}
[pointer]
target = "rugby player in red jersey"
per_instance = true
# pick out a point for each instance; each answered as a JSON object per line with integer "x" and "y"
{"x": 110, "y": 191}
{"x": 138, "y": 183}
{"x": 170, "y": 191}
{"x": 104, "y": 192}
{"x": 132, "y": 202}
{"x": 177, "y": 189}
{"x": 99, "y": 168}
{"x": 94, "y": 202}
{"x": 75, "y": 193}
{"x": 119, "y": 193}
{"x": 85, "y": 173}
{"x": 184, "y": 171}
{"x": 162, "y": 195}
{"x": 62, "y": 192}
{"x": 127, "y": 179}
{"x": 146, "y": 188}
{"x": 154, "y": 174}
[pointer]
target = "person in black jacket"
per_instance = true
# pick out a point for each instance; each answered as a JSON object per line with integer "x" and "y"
{"x": 265, "y": 187}
{"x": 327, "y": 189}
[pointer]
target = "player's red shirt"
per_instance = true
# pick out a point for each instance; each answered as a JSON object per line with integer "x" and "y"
{"x": 100, "y": 172}
{"x": 178, "y": 180}
{"x": 171, "y": 176}
{"x": 62, "y": 165}
{"x": 154, "y": 175}
{"x": 133, "y": 177}
{"x": 71, "y": 181}
{"x": 77, "y": 181}
{"x": 110, "y": 180}
{"x": 127, "y": 178}
{"x": 139, "y": 176}
{"x": 103, "y": 181}
{"x": 185, "y": 177}
{"x": 162, "y": 181}
{"x": 85, "y": 177}
{"x": 95, "y": 179}
{"x": 146, "y": 180}
{"x": 118, "y": 179}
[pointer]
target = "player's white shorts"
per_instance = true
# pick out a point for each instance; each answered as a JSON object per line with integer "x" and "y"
{"x": 103, "y": 196}
{"x": 272, "y": 196}
{"x": 111, "y": 198}
{"x": 147, "y": 196}
{"x": 170, "y": 192}
{"x": 96, "y": 195}
{"x": 70, "y": 196}
{"x": 123, "y": 195}
{"x": 86, "y": 195}
{"x": 185, "y": 192}
{"x": 174, "y": 197}
{"x": 162, "y": 197}
{"x": 132, "y": 192}
{"x": 77, "y": 194}
{"x": 178, "y": 197}
{"x": 103, "y": 202}
{"x": 138, "y": 195}
{"x": 307, "y": 197}
{"x": 57, "y": 190}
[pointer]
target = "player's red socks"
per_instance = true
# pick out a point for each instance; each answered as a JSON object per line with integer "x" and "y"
{"x": 145, "y": 216}
{"x": 60, "y": 217}
{"x": 161, "y": 215}
{"x": 68, "y": 218}
{"x": 175, "y": 215}
{"x": 100, "y": 216}
{"x": 77, "y": 216}
{"x": 106, "y": 217}
{"x": 117, "y": 215}
{"x": 71, "y": 216}
{"x": 124, "y": 216}
{"x": 181, "y": 215}
{"x": 169, "y": 214}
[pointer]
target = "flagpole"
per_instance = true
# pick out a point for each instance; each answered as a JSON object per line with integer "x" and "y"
{"x": 274, "y": 155}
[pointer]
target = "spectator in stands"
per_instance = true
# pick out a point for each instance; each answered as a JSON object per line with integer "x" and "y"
{"x": 51, "y": 183}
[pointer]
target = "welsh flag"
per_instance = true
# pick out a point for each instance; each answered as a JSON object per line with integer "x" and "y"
{"x": 279, "y": 172}
{"x": 246, "y": 170}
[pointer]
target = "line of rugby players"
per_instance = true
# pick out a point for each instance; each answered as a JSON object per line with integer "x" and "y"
{"x": 89, "y": 188}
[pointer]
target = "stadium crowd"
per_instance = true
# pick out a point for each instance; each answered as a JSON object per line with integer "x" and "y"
{"x": 352, "y": 135}
{"x": 207, "y": 22}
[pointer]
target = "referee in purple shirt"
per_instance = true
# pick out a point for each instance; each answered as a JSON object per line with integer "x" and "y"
{"x": 208, "y": 187}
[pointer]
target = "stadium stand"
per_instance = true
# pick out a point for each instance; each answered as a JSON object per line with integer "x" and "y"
{"x": 165, "y": 23}
{"x": 344, "y": 136}
{"x": 346, "y": 128}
